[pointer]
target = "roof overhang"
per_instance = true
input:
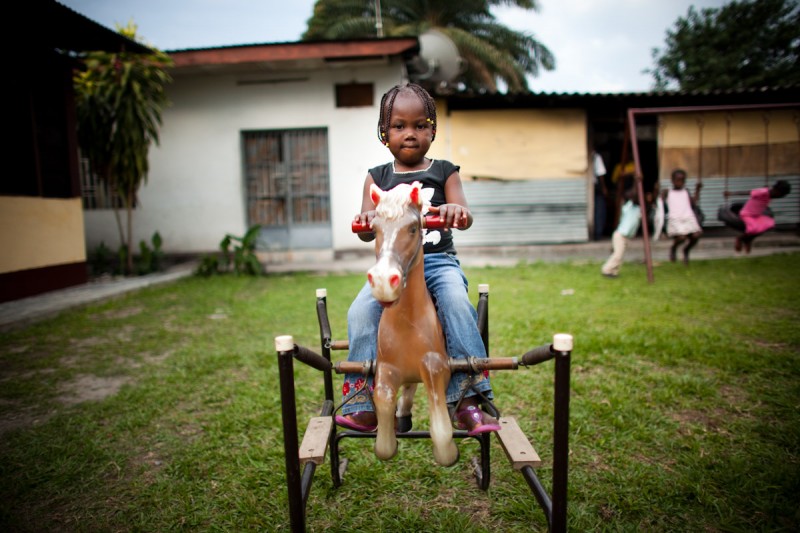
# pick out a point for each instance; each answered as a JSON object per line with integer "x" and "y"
{"x": 290, "y": 56}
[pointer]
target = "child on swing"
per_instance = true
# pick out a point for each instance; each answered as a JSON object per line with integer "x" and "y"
{"x": 407, "y": 127}
{"x": 629, "y": 220}
{"x": 752, "y": 213}
{"x": 682, "y": 224}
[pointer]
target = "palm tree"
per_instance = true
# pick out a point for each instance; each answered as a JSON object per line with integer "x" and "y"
{"x": 492, "y": 51}
{"x": 119, "y": 98}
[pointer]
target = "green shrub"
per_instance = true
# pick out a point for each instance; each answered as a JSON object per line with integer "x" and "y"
{"x": 102, "y": 261}
{"x": 150, "y": 260}
{"x": 238, "y": 255}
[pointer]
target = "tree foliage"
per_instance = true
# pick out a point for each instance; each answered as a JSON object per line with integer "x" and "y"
{"x": 493, "y": 52}
{"x": 743, "y": 44}
{"x": 119, "y": 99}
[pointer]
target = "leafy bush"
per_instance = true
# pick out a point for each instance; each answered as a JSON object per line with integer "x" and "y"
{"x": 150, "y": 260}
{"x": 102, "y": 261}
{"x": 238, "y": 255}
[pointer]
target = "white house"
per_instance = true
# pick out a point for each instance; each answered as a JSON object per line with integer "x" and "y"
{"x": 280, "y": 135}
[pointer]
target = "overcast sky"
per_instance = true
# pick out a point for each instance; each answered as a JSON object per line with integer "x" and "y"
{"x": 600, "y": 45}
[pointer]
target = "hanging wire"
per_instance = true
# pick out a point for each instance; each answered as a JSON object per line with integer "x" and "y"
{"x": 796, "y": 118}
{"x": 661, "y": 145}
{"x": 766, "y": 149}
{"x": 700, "y": 125}
{"x": 727, "y": 154}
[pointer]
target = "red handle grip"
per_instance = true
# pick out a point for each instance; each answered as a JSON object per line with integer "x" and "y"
{"x": 430, "y": 222}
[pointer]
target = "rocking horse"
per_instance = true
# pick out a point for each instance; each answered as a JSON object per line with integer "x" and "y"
{"x": 411, "y": 344}
{"x": 411, "y": 349}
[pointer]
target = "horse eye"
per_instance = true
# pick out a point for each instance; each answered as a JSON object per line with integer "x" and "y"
{"x": 412, "y": 230}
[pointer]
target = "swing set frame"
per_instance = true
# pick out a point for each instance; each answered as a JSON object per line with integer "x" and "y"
{"x": 630, "y": 138}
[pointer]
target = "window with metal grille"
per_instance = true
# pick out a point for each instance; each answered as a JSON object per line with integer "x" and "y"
{"x": 287, "y": 177}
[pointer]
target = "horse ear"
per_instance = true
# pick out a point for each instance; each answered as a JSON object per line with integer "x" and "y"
{"x": 375, "y": 193}
{"x": 415, "y": 197}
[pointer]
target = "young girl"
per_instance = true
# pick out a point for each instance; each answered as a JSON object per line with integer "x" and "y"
{"x": 407, "y": 126}
{"x": 752, "y": 213}
{"x": 682, "y": 224}
{"x": 629, "y": 220}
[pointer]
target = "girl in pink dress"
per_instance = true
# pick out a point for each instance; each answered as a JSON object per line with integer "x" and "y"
{"x": 682, "y": 223}
{"x": 752, "y": 213}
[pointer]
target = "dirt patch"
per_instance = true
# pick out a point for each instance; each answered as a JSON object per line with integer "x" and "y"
{"x": 21, "y": 417}
{"x": 125, "y": 312}
{"x": 86, "y": 387}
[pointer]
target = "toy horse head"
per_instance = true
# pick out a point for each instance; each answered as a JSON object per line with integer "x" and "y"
{"x": 398, "y": 238}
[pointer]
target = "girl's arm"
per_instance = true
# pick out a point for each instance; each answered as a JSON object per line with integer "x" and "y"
{"x": 696, "y": 197}
{"x": 455, "y": 210}
{"x": 367, "y": 210}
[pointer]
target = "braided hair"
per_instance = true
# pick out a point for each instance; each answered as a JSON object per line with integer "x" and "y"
{"x": 387, "y": 102}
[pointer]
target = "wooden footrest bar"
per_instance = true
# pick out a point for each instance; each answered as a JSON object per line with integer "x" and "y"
{"x": 516, "y": 445}
{"x": 315, "y": 440}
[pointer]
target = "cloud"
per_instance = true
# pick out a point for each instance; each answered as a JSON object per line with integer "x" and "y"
{"x": 600, "y": 45}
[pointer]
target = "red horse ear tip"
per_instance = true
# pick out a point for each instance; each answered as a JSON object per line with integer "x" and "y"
{"x": 415, "y": 195}
{"x": 375, "y": 194}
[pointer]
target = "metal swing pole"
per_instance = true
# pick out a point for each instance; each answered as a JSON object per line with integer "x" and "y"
{"x": 648, "y": 256}
{"x": 284, "y": 345}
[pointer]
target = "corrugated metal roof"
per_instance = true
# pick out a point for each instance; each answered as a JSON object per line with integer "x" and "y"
{"x": 778, "y": 94}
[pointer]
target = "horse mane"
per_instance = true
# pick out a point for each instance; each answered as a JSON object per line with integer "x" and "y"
{"x": 394, "y": 202}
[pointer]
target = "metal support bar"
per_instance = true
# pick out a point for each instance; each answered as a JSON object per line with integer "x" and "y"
{"x": 538, "y": 355}
{"x": 471, "y": 364}
{"x": 284, "y": 345}
{"x": 325, "y": 335}
{"x": 563, "y": 346}
{"x": 312, "y": 358}
{"x": 483, "y": 314}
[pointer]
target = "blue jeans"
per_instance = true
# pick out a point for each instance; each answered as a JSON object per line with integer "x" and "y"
{"x": 448, "y": 287}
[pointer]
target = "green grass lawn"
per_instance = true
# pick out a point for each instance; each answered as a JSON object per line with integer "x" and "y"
{"x": 160, "y": 410}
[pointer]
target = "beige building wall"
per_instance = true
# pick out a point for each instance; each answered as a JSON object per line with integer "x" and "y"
{"x": 737, "y": 143}
{"x": 40, "y": 232}
{"x": 746, "y": 127}
{"x": 519, "y": 144}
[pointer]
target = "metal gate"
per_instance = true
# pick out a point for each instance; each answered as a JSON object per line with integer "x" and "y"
{"x": 288, "y": 188}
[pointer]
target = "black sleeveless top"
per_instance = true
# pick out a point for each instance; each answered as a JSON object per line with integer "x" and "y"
{"x": 433, "y": 177}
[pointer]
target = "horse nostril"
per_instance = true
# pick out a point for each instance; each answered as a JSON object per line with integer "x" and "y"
{"x": 369, "y": 278}
{"x": 394, "y": 280}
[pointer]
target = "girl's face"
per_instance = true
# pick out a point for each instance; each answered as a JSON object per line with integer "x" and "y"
{"x": 678, "y": 181}
{"x": 410, "y": 134}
